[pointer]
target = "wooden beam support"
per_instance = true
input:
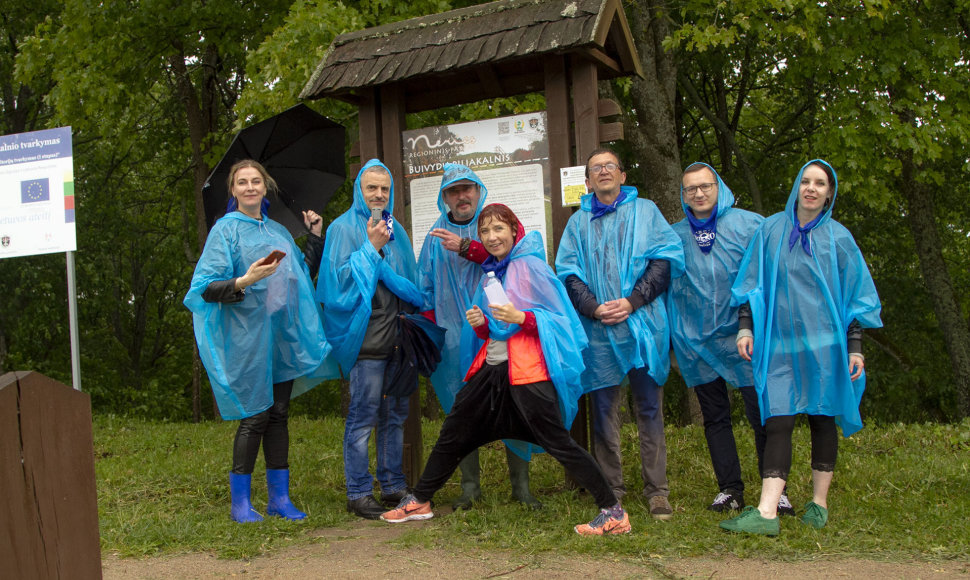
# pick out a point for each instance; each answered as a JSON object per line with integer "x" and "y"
{"x": 608, "y": 108}
{"x": 585, "y": 112}
{"x": 605, "y": 61}
{"x": 369, "y": 121}
{"x": 392, "y": 154}
{"x": 558, "y": 134}
{"x": 428, "y": 94}
{"x": 491, "y": 84}
{"x": 611, "y": 132}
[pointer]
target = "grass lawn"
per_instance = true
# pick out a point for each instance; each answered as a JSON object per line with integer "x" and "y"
{"x": 901, "y": 492}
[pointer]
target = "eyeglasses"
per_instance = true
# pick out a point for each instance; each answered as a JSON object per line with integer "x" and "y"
{"x": 611, "y": 167}
{"x": 704, "y": 187}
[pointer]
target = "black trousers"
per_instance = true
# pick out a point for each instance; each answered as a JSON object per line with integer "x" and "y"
{"x": 715, "y": 403}
{"x": 825, "y": 444}
{"x": 487, "y": 409}
{"x": 269, "y": 427}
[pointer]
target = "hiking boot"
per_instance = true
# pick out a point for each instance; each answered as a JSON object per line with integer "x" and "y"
{"x": 392, "y": 499}
{"x": 751, "y": 522}
{"x": 409, "y": 509}
{"x": 784, "y": 506}
{"x": 660, "y": 507}
{"x": 725, "y": 502}
{"x": 815, "y": 515}
{"x": 605, "y": 523}
{"x": 365, "y": 507}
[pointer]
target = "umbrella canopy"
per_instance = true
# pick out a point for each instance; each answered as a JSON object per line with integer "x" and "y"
{"x": 301, "y": 149}
{"x": 417, "y": 352}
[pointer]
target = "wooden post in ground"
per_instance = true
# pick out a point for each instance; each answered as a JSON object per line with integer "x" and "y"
{"x": 48, "y": 504}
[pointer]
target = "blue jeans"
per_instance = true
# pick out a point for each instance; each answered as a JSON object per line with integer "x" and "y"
{"x": 369, "y": 408}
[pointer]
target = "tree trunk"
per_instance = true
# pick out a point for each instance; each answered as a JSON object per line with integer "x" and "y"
{"x": 921, "y": 214}
{"x": 653, "y": 136}
{"x": 201, "y": 119}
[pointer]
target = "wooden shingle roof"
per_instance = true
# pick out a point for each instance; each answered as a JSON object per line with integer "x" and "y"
{"x": 488, "y": 50}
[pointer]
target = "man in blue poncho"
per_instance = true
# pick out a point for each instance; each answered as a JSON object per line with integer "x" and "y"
{"x": 449, "y": 272}
{"x": 367, "y": 278}
{"x": 704, "y": 325}
{"x": 616, "y": 257}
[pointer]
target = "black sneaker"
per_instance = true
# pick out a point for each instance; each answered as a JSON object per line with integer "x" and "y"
{"x": 366, "y": 507}
{"x": 784, "y": 506}
{"x": 392, "y": 499}
{"x": 725, "y": 502}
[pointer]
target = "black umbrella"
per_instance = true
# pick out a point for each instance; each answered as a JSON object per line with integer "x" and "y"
{"x": 302, "y": 150}
{"x": 417, "y": 352}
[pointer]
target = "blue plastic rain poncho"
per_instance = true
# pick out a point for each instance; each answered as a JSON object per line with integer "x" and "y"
{"x": 802, "y": 306}
{"x": 609, "y": 254}
{"x": 448, "y": 282}
{"x": 532, "y": 287}
{"x": 273, "y": 335}
{"x": 351, "y": 268}
{"x": 703, "y": 323}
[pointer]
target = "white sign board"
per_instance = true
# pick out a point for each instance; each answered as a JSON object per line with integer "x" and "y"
{"x": 37, "y": 193}
{"x": 509, "y": 154}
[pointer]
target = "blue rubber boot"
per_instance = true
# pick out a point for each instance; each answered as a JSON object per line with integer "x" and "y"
{"x": 240, "y": 487}
{"x": 278, "y": 484}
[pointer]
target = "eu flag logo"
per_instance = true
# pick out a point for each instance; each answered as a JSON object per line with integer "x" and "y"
{"x": 35, "y": 190}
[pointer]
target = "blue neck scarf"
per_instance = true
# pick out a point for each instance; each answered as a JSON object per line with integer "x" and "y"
{"x": 233, "y": 205}
{"x": 600, "y": 209}
{"x": 498, "y": 266}
{"x": 802, "y": 232}
{"x": 704, "y": 230}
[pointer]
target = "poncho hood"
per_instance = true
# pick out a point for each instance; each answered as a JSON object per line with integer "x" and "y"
{"x": 457, "y": 172}
{"x": 360, "y": 206}
{"x": 793, "y": 196}
{"x": 725, "y": 197}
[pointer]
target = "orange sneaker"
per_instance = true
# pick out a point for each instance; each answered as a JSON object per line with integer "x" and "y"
{"x": 409, "y": 509}
{"x": 605, "y": 524}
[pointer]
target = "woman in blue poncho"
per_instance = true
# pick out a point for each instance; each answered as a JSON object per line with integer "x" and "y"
{"x": 258, "y": 328}
{"x": 511, "y": 392}
{"x": 808, "y": 293}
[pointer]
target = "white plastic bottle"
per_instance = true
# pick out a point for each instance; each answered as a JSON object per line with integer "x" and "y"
{"x": 494, "y": 291}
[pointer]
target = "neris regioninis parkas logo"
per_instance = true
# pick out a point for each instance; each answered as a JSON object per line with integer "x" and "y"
{"x": 5, "y": 241}
{"x": 34, "y": 190}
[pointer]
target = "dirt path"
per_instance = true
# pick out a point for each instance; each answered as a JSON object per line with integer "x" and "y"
{"x": 362, "y": 550}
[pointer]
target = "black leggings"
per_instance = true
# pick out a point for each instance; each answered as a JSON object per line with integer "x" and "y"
{"x": 270, "y": 428}
{"x": 487, "y": 409}
{"x": 825, "y": 444}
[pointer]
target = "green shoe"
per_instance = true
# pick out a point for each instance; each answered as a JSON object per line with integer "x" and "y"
{"x": 815, "y": 515}
{"x": 751, "y": 522}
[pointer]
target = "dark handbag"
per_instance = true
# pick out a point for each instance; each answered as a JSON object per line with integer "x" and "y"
{"x": 417, "y": 351}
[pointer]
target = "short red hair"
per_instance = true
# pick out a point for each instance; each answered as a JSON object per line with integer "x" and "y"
{"x": 501, "y": 212}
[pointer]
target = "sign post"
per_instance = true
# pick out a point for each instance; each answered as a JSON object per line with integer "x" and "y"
{"x": 37, "y": 207}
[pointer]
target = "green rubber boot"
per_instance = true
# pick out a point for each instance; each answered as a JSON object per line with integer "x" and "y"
{"x": 471, "y": 475}
{"x": 519, "y": 476}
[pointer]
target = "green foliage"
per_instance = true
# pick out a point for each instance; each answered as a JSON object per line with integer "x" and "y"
{"x": 155, "y": 89}
{"x": 163, "y": 488}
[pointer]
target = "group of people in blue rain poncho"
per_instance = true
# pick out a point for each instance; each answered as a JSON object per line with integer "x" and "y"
{"x": 771, "y": 307}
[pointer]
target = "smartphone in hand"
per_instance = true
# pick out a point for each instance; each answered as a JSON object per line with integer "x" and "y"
{"x": 376, "y": 214}
{"x": 275, "y": 256}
